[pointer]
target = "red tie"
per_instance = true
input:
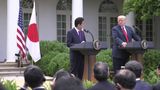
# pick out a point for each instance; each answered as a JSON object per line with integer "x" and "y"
{"x": 125, "y": 33}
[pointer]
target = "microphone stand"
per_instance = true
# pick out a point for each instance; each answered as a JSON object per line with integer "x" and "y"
{"x": 87, "y": 31}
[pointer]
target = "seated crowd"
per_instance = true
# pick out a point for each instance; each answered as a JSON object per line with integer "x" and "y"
{"x": 128, "y": 78}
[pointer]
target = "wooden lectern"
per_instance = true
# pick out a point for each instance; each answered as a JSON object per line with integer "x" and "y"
{"x": 137, "y": 49}
{"x": 87, "y": 49}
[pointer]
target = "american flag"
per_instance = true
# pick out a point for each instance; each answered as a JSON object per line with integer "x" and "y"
{"x": 20, "y": 33}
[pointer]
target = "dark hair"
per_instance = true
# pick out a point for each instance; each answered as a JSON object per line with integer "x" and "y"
{"x": 135, "y": 66}
{"x": 125, "y": 78}
{"x": 61, "y": 74}
{"x": 101, "y": 71}
{"x": 33, "y": 76}
{"x": 78, "y": 20}
{"x": 71, "y": 83}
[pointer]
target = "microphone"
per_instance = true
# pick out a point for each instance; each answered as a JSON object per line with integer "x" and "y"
{"x": 87, "y": 31}
{"x": 137, "y": 28}
{"x": 139, "y": 31}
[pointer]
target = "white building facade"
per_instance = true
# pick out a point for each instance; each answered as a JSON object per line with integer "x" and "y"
{"x": 55, "y": 17}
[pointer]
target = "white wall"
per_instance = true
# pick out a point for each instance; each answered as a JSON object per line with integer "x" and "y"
{"x": 91, "y": 17}
{"x": 3, "y": 29}
{"x": 47, "y": 19}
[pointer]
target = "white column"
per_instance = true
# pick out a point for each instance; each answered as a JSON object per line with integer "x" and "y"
{"x": 12, "y": 18}
{"x": 130, "y": 19}
{"x": 77, "y": 10}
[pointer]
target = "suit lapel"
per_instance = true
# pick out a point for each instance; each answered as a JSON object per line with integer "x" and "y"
{"x": 75, "y": 33}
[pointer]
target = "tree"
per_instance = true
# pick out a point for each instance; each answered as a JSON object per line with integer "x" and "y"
{"x": 144, "y": 9}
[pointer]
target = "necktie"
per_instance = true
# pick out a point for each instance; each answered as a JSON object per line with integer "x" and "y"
{"x": 125, "y": 33}
{"x": 80, "y": 35}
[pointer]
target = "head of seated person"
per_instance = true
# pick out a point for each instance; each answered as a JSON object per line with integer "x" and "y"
{"x": 61, "y": 74}
{"x": 125, "y": 80}
{"x": 33, "y": 76}
{"x": 71, "y": 83}
{"x": 134, "y": 66}
{"x": 101, "y": 71}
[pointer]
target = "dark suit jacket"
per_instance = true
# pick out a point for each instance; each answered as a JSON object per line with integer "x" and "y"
{"x": 157, "y": 86}
{"x": 118, "y": 38}
{"x": 73, "y": 37}
{"x": 104, "y": 85}
{"x": 76, "y": 58}
{"x": 141, "y": 85}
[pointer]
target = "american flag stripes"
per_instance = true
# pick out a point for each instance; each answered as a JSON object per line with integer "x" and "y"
{"x": 20, "y": 33}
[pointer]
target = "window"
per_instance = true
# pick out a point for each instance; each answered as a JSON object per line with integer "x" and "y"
{"x": 61, "y": 28}
{"x": 107, "y": 19}
{"x": 145, "y": 29}
{"x": 102, "y": 28}
{"x": 27, "y": 10}
{"x": 64, "y": 19}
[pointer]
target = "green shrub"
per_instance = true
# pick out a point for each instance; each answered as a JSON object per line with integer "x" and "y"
{"x": 105, "y": 56}
{"x": 10, "y": 84}
{"x": 151, "y": 61}
{"x": 47, "y": 46}
{"x": 87, "y": 84}
{"x": 55, "y": 55}
{"x": 61, "y": 60}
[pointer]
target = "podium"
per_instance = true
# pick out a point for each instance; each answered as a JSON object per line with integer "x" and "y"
{"x": 137, "y": 49}
{"x": 89, "y": 51}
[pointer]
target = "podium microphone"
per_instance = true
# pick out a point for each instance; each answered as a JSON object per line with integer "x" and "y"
{"x": 87, "y": 31}
{"x": 137, "y": 28}
{"x": 139, "y": 31}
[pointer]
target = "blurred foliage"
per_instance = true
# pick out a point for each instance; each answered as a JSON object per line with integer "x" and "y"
{"x": 55, "y": 55}
{"x": 9, "y": 84}
{"x": 87, "y": 84}
{"x": 151, "y": 61}
{"x": 105, "y": 56}
{"x": 144, "y": 9}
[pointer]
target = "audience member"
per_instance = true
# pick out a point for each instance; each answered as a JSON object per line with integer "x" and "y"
{"x": 101, "y": 73}
{"x": 71, "y": 83}
{"x": 34, "y": 78}
{"x": 137, "y": 68}
{"x": 157, "y": 86}
{"x": 1, "y": 86}
{"x": 60, "y": 74}
{"x": 125, "y": 80}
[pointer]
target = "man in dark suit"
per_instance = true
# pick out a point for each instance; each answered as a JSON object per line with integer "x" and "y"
{"x": 34, "y": 78}
{"x": 76, "y": 36}
{"x": 121, "y": 35}
{"x": 137, "y": 69}
{"x": 101, "y": 73}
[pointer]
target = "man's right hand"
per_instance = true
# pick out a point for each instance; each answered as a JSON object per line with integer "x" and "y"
{"x": 124, "y": 44}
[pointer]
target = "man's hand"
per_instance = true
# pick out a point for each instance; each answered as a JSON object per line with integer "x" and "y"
{"x": 124, "y": 44}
